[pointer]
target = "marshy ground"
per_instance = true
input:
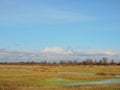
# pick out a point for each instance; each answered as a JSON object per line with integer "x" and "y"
{"x": 78, "y": 77}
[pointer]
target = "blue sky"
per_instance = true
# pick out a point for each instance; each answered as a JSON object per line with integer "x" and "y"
{"x": 82, "y": 24}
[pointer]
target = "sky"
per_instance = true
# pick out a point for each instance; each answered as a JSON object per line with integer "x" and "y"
{"x": 70, "y": 29}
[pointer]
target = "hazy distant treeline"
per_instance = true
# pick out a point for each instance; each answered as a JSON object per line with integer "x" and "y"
{"x": 103, "y": 61}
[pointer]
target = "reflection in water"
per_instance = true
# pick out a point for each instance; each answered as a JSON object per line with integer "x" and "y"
{"x": 117, "y": 75}
{"x": 107, "y": 81}
{"x": 89, "y": 73}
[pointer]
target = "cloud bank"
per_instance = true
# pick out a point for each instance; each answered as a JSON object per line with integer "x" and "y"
{"x": 57, "y": 54}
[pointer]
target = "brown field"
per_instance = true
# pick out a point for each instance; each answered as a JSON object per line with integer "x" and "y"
{"x": 37, "y": 77}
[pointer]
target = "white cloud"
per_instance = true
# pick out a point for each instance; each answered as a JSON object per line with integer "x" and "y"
{"x": 56, "y": 50}
{"x": 57, "y": 54}
{"x": 103, "y": 51}
{"x": 53, "y": 50}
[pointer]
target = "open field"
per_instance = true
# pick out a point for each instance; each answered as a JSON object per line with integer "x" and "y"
{"x": 36, "y": 77}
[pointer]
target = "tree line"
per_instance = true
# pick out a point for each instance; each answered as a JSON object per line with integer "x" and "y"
{"x": 103, "y": 61}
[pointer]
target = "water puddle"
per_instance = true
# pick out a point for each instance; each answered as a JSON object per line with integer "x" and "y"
{"x": 107, "y": 81}
{"x": 117, "y": 75}
{"x": 68, "y": 82}
{"x": 88, "y": 73}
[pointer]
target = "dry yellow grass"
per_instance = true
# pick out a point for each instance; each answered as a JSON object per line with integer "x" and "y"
{"x": 35, "y": 77}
